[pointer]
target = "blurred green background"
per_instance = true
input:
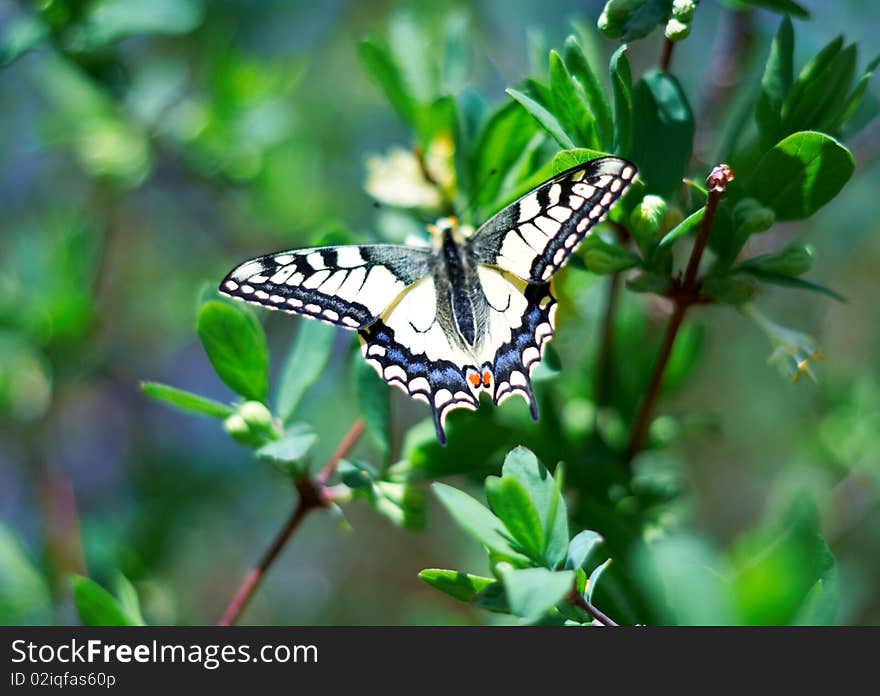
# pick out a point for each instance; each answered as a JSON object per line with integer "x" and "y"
{"x": 146, "y": 152}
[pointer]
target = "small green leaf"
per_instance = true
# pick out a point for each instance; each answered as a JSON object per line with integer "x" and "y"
{"x": 788, "y": 7}
{"x": 580, "y": 70}
{"x": 532, "y": 592}
{"x": 690, "y": 224}
{"x": 25, "y": 597}
{"x": 580, "y": 547}
{"x": 621, "y": 90}
{"x": 509, "y": 500}
{"x": 792, "y": 282}
{"x": 96, "y": 606}
{"x": 663, "y": 132}
{"x": 594, "y": 579}
{"x": 128, "y": 599}
{"x": 478, "y": 521}
{"x": 854, "y": 100}
{"x": 462, "y": 586}
{"x": 815, "y": 102}
{"x": 294, "y": 445}
{"x": 186, "y": 401}
{"x": 570, "y": 104}
{"x": 546, "y": 495}
{"x": 794, "y": 260}
{"x": 775, "y": 84}
{"x": 801, "y": 174}
{"x": 544, "y": 117}
{"x": 374, "y": 402}
{"x": 565, "y": 160}
{"x": 236, "y": 346}
{"x": 308, "y": 357}
{"x": 382, "y": 68}
{"x": 648, "y": 282}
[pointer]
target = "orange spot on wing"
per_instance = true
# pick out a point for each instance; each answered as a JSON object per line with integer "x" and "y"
{"x": 487, "y": 378}
{"x": 474, "y": 379}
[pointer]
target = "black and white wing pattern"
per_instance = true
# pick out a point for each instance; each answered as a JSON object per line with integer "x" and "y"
{"x": 350, "y": 286}
{"x": 534, "y": 236}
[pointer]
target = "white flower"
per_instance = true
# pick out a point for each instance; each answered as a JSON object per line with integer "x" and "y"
{"x": 793, "y": 351}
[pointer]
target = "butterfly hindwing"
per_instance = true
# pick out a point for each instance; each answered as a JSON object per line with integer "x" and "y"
{"x": 350, "y": 286}
{"x": 534, "y": 236}
{"x": 411, "y": 348}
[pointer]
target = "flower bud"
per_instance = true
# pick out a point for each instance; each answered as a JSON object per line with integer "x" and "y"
{"x": 616, "y": 14}
{"x": 794, "y": 260}
{"x": 646, "y": 219}
{"x": 676, "y": 30}
{"x": 683, "y": 10}
{"x": 256, "y": 415}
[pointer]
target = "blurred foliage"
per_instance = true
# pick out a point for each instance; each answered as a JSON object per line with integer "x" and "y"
{"x": 156, "y": 144}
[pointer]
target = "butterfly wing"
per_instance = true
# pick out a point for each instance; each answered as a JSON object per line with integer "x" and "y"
{"x": 534, "y": 236}
{"x": 350, "y": 286}
{"x": 411, "y": 348}
{"x": 520, "y": 322}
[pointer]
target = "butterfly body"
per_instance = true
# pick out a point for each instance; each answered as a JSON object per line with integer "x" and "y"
{"x": 471, "y": 313}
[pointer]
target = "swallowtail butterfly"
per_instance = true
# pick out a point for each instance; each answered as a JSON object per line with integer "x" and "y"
{"x": 471, "y": 313}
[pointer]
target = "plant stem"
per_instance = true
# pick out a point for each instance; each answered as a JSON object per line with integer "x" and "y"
{"x": 312, "y": 495}
{"x": 576, "y": 599}
{"x": 683, "y": 293}
{"x": 666, "y": 56}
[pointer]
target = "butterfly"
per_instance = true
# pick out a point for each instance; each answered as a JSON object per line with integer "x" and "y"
{"x": 469, "y": 314}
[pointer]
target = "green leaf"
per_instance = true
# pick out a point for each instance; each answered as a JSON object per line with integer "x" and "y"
{"x": 462, "y": 586}
{"x": 546, "y": 495}
{"x": 792, "y": 282}
{"x": 684, "y": 577}
{"x": 569, "y": 104}
{"x": 775, "y": 84}
{"x": 25, "y": 598}
{"x": 112, "y": 20}
{"x": 777, "y": 569}
{"x": 789, "y": 7}
{"x": 544, "y": 117}
{"x": 294, "y": 445}
{"x": 594, "y": 579}
{"x": 621, "y": 90}
{"x": 509, "y": 500}
{"x": 374, "y": 402}
{"x": 505, "y": 136}
{"x": 236, "y": 346}
{"x": 565, "y": 160}
{"x": 690, "y": 224}
{"x": 580, "y": 70}
{"x": 663, "y": 132}
{"x": 854, "y": 100}
{"x": 308, "y": 357}
{"x": 186, "y": 401}
{"x": 382, "y": 68}
{"x": 479, "y": 522}
{"x": 819, "y": 94}
{"x": 96, "y": 606}
{"x": 532, "y": 592}
{"x": 128, "y": 599}
{"x": 648, "y": 282}
{"x": 580, "y": 548}
{"x": 801, "y": 174}
{"x": 794, "y": 260}
{"x": 603, "y": 257}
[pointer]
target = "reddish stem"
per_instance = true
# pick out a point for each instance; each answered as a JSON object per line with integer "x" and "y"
{"x": 312, "y": 495}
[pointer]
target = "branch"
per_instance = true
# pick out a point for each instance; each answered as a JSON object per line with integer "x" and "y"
{"x": 576, "y": 599}
{"x": 313, "y": 494}
{"x": 666, "y": 56}
{"x": 604, "y": 370}
{"x": 684, "y": 294}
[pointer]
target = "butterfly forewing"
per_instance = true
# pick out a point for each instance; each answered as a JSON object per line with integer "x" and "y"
{"x": 350, "y": 286}
{"x": 534, "y": 236}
